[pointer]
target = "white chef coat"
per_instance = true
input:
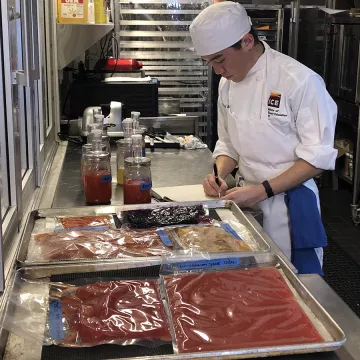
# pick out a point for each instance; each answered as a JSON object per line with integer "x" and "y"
{"x": 279, "y": 113}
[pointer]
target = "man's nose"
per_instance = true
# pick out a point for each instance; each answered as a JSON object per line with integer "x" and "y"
{"x": 219, "y": 70}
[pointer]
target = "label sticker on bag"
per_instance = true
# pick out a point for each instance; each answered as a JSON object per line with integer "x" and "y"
{"x": 106, "y": 178}
{"x": 55, "y": 319}
{"x": 164, "y": 237}
{"x": 208, "y": 264}
{"x": 230, "y": 230}
{"x": 86, "y": 228}
{"x": 147, "y": 185}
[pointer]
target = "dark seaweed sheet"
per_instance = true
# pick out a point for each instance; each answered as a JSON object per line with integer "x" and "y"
{"x": 165, "y": 216}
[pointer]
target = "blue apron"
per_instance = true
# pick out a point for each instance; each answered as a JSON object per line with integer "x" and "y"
{"x": 307, "y": 230}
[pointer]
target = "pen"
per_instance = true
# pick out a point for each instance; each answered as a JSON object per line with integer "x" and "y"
{"x": 217, "y": 177}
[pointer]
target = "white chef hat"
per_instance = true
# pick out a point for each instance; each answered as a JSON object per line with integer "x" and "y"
{"x": 218, "y": 27}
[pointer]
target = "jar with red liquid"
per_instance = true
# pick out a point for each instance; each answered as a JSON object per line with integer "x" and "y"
{"x": 97, "y": 173}
{"x": 137, "y": 180}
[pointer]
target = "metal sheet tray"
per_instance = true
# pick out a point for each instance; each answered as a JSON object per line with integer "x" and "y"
{"x": 227, "y": 210}
{"x": 329, "y": 329}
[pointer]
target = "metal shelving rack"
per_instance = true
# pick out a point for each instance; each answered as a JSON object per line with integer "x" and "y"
{"x": 157, "y": 33}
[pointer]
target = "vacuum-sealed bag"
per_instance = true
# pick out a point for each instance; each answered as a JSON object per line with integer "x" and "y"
{"x": 123, "y": 312}
{"x": 235, "y": 309}
{"x": 110, "y": 244}
{"x": 208, "y": 238}
{"x": 164, "y": 216}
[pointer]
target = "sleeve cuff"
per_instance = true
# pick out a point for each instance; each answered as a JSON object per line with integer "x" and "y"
{"x": 222, "y": 149}
{"x": 322, "y": 157}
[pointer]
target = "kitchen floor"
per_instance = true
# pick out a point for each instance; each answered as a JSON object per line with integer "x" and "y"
{"x": 342, "y": 256}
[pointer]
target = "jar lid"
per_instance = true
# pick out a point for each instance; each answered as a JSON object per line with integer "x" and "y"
{"x": 93, "y": 155}
{"x": 142, "y": 161}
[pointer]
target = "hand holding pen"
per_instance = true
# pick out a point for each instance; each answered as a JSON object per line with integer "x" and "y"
{"x": 214, "y": 185}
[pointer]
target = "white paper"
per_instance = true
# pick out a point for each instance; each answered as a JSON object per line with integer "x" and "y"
{"x": 183, "y": 193}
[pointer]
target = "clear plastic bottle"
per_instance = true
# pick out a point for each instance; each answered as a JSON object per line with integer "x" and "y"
{"x": 98, "y": 118}
{"x": 137, "y": 175}
{"x": 127, "y": 128}
{"x": 97, "y": 173}
{"x": 90, "y": 128}
{"x": 124, "y": 150}
{"x": 106, "y": 140}
{"x": 135, "y": 116}
{"x": 141, "y": 131}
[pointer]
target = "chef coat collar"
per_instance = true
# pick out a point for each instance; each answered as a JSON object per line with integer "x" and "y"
{"x": 261, "y": 62}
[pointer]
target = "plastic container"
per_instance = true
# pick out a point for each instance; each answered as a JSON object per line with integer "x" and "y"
{"x": 137, "y": 181}
{"x": 100, "y": 12}
{"x": 106, "y": 140}
{"x": 122, "y": 65}
{"x": 97, "y": 173}
{"x": 124, "y": 150}
{"x": 135, "y": 116}
{"x": 127, "y": 125}
{"x": 141, "y": 132}
{"x": 72, "y": 12}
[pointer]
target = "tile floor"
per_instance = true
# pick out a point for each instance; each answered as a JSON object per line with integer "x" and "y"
{"x": 342, "y": 256}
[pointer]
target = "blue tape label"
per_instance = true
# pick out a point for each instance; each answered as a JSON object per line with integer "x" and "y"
{"x": 146, "y": 185}
{"x": 209, "y": 264}
{"x": 106, "y": 178}
{"x": 86, "y": 228}
{"x": 164, "y": 237}
{"x": 230, "y": 230}
{"x": 55, "y": 318}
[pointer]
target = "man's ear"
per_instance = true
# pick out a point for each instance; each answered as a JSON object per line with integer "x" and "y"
{"x": 247, "y": 42}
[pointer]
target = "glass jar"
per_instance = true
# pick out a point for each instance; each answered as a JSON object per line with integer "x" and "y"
{"x": 124, "y": 150}
{"x": 97, "y": 178}
{"x": 85, "y": 149}
{"x": 137, "y": 181}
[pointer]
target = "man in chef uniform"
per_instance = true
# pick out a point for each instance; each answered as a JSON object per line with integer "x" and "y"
{"x": 276, "y": 123}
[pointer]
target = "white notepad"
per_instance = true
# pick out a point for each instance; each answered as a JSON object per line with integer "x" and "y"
{"x": 183, "y": 193}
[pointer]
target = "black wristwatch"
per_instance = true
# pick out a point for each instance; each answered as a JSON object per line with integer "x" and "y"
{"x": 268, "y": 189}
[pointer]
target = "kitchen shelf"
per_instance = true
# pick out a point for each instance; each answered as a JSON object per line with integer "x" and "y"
{"x": 74, "y": 39}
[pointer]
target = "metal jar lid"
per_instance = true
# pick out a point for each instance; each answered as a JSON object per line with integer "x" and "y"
{"x": 142, "y": 161}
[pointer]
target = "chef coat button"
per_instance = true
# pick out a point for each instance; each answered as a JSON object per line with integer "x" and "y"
{"x": 258, "y": 78}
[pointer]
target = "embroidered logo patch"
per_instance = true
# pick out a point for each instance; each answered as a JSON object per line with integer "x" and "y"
{"x": 274, "y": 99}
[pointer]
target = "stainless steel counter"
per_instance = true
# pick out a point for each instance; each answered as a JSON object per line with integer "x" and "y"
{"x": 168, "y": 167}
{"x": 185, "y": 167}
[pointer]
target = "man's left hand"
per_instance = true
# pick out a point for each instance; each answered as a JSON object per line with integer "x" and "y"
{"x": 246, "y": 196}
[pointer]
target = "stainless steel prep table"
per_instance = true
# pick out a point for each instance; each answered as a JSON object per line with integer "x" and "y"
{"x": 186, "y": 167}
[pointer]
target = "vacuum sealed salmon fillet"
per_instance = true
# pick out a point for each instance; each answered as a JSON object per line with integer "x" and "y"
{"x": 78, "y": 222}
{"x": 235, "y": 309}
{"x": 208, "y": 238}
{"x": 109, "y": 244}
{"x": 122, "y": 312}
